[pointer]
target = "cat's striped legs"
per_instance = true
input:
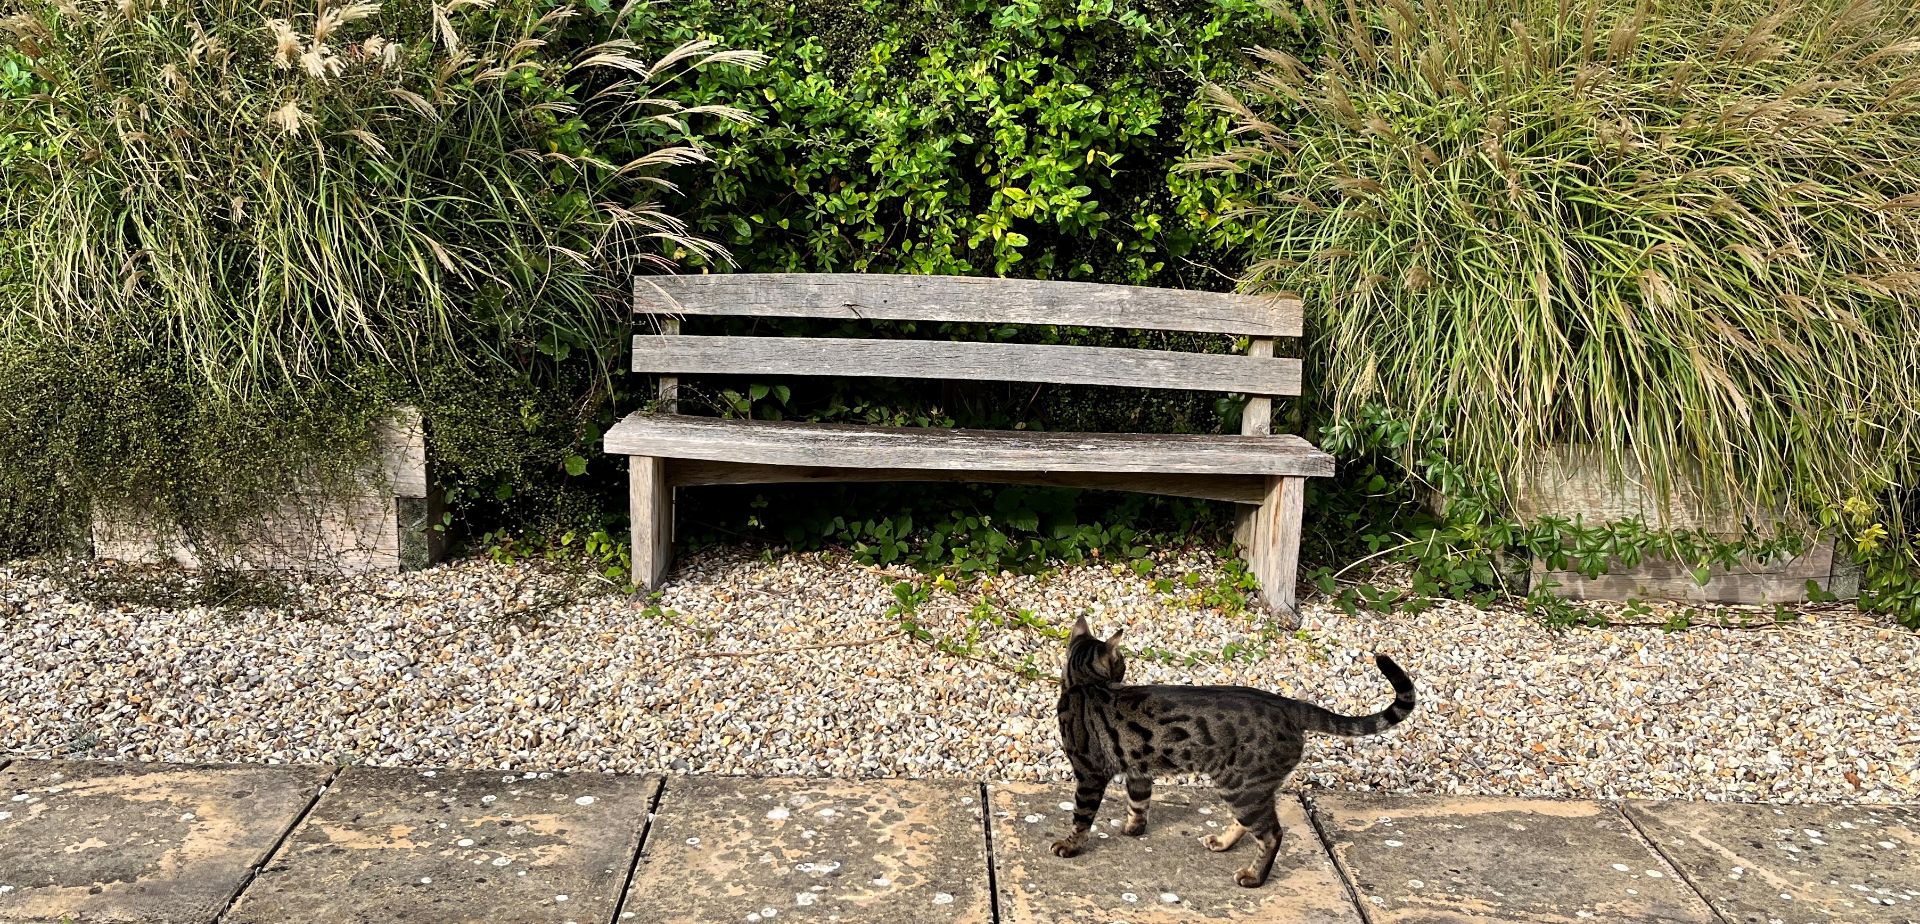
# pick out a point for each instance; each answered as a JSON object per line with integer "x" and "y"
{"x": 1087, "y": 793}
{"x": 1139, "y": 794}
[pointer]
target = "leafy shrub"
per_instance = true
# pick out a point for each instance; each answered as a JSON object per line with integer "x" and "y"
{"x": 986, "y": 137}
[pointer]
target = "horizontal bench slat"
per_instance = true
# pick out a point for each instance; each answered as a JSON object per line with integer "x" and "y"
{"x": 767, "y": 442}
{"x": 1240, "y": 489}
{"x": 942, "y": 359}
{"x": 862, "y": 296}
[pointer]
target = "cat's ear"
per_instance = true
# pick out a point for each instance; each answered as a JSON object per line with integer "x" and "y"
{"x": 1113, "y": 641}
{"x": 1080, "y": 629}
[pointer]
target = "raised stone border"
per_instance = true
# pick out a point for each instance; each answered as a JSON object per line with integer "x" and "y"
{"x": 389, "y": 522}
{"x": 1573, "y": 482}
{"x": 173, "y": 844}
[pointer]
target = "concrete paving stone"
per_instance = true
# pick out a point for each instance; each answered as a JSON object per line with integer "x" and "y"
{"x": 1441, "y": 860}
{"x": 1163, "y": 877}
{"x": 113, "y": 843}
{"x": 742, "y": 851}
{"x": 442, "y": 847}
{"x": 1787, "y": 864}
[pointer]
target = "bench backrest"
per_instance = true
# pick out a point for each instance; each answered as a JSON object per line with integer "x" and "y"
{"x": 968, "y": 300}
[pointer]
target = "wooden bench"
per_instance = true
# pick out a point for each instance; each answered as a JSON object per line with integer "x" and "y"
{"x": 1267, "y": 472}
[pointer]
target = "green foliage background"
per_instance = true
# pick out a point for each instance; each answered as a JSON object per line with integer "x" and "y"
{"x": 1040, "y": 138}
{"x": 982, "y": 137}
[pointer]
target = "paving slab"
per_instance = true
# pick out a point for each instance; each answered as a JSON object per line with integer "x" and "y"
{"x": 1438, "y": 860}
{"x": 1163, "y": 877}
{"x": 1759, "y": 864}
{"x": 749, "y": 850}
{"x": 115, "y": 843}
{"x": 444, "y": 847}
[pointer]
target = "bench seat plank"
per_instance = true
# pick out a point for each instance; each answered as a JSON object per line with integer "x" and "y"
{"x": 766, "y": 442}
{"x": 1117, "y": 367}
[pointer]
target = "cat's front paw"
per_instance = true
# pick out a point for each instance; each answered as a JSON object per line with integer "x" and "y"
{"x": 1249, "y": 878}
{"x": 1069, "y": 846}
{"x": 1135, "y": 827}
{"x": 1216, "y": 843}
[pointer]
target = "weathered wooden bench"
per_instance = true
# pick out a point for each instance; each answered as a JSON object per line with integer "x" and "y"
{"x": 1260, "y": 469}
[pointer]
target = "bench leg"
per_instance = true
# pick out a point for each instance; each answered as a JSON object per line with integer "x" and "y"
{"x": 651, "y": 506}
{"x": 1274, "y": 551}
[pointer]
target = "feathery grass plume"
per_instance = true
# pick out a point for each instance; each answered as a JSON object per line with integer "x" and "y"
{"x": 288, "y": 118}
{"x": 348, "y": 186}
{"x": 287, "y": 46}
{"x": 1680, "y": 232}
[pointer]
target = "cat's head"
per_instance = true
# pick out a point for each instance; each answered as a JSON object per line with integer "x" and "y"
{"x": 1090, "y": 660}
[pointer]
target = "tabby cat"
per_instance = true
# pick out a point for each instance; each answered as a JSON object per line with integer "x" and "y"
{"x": 1245, "y": 740}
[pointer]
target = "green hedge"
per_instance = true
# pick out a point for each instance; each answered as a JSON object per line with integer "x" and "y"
{"x": 980, "y": 137}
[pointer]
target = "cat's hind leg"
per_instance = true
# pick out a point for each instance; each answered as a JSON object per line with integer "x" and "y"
{"x": 1089, "y": 789}
{"x": 1254, "y": 810}
{"x": 1139, "y": 794}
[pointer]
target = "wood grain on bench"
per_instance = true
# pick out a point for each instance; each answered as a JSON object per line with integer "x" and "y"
{"x": 877, "y": 297}
{"x": 774, "y": 442}
{"x": 1117, "y": 367}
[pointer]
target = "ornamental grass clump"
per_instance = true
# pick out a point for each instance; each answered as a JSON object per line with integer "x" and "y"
{"x": 277, "y": 193}
{"x": 1683, "y": 232}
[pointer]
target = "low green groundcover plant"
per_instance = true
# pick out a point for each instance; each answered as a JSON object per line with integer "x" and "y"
{"x": 1685, "y": 233}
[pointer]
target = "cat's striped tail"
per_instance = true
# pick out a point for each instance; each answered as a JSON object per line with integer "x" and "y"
{"x": 1333, "y": 723}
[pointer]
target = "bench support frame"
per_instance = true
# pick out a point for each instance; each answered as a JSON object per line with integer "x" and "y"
{"x": 1268, "y": 535}
{"x": 1270, "y": 505}
{"x": 651, "y": 498}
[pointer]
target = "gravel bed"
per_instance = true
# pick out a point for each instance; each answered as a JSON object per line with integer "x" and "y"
{"x": 793, "y": 664}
